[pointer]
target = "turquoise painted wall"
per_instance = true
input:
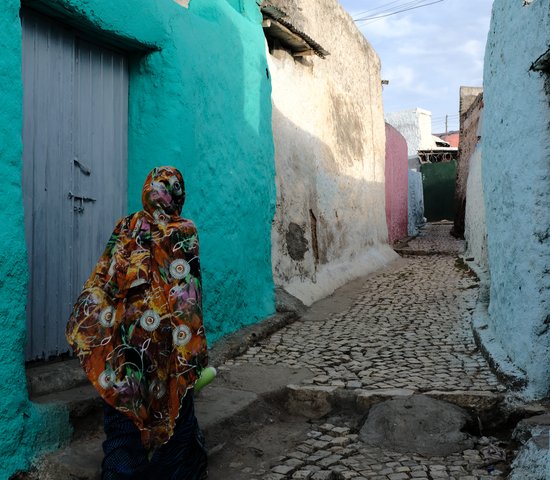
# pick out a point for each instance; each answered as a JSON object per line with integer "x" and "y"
{"x": 516, "y": 189}
{"x": 25, "y": 429}
{"x": 199, "y": 100}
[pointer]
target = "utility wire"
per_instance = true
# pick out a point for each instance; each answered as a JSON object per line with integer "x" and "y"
{"x": 379, "y": 7}
{"x": 372, "y": 19}
{"x": 388, "y": 7}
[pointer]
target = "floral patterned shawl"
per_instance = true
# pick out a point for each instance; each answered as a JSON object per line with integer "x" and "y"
{"x": 137, "y": 325}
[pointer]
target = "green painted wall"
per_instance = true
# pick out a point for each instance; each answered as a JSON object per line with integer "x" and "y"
{"x": 199, "y": 100}
{"x": 439, "y": 181}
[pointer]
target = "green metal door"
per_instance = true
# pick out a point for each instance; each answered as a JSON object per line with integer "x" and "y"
{"x": 439, "y": 181}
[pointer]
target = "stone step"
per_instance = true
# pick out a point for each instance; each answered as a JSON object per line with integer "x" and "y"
{"x": 234, "y": 394}
{"x": 53, "y": 377}
{"x": 80, "y": 401}
{"x": 82, "y": 457}
{"x": 79, "y": 460}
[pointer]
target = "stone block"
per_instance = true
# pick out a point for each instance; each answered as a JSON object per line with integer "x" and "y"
{"x": 476, "y": 400}
{"x": 367, "y": 398}
{"x": 311, "y": 401}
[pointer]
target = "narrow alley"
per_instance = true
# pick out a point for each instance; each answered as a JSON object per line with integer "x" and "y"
{"x": 401, "y": 332}
{"x": 314, "y": 232}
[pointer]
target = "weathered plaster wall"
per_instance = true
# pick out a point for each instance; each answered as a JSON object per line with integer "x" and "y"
{"x": 516, "y": 184}
{"x": 469, "y": 137}
{"x": 533, "y": 459}
{"x": 397, "y": 189}
{"x": 200, "y": 100}
{"x": 328, "y": 129}
{"x": 416, "y": 202}
{"x": 475, "y": 232}
{"x": 416, "y": 126}
{"x": 467, "y": 97}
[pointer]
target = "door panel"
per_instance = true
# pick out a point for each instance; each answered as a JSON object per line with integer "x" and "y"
{"x": 74, "y": 149}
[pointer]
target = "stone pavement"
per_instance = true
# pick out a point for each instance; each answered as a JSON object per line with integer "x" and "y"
{"x": 434, "y": 238}
{"x": 333, "y": 452}
{"x": 291, "y": 405}
{"x": 406, "y": 332}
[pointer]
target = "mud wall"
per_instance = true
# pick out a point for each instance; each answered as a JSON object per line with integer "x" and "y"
{"x": 469, "y": 134}
{"x": 328, "y": 129}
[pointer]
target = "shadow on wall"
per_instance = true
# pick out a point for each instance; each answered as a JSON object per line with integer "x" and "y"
{"x": 329, "y": 226}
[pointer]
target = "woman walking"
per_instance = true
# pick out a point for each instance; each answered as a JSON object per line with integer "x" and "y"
{"x": 137, "y": 329}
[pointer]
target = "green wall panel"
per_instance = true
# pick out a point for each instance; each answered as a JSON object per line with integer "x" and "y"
{"x": 439, "y": 181}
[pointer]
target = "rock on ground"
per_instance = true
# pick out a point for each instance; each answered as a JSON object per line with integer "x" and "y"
{"x": 417, "y": 424}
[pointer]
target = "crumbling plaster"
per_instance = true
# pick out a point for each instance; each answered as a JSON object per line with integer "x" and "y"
{"x": 328, "y": 129}
{"x": 471, "y": 105}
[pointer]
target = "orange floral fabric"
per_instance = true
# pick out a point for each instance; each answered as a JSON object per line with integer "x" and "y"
{"x": 137, "y": 325}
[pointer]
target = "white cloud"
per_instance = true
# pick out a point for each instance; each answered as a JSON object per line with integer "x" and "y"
{"x": 474, "y": 48}
{"x": 428, "y": 53}
{"x": 388, "y": 28}
{"x": 400, "y": 76}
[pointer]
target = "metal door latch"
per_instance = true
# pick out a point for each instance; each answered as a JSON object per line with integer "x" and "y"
{"x": 81, "y": 198}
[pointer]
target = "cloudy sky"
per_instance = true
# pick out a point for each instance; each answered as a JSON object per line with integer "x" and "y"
{"x": 427, "y": 53}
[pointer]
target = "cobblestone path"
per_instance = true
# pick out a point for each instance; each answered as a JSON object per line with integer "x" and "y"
{"x": 407, "y": 329}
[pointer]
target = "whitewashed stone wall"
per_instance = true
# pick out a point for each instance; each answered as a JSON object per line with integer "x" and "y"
{"x": 328, "y": 127}
{"x": 416, "y": 126}
{"x": 416, "y": 203}
{"x": 516, "y": 188}
{"x": 475, "y": 229}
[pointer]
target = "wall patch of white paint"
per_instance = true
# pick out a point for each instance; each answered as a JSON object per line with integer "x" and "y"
{"x": 415, "y": 203}
{"x": 416, "y": 126}
{"x": 475, "y": 229}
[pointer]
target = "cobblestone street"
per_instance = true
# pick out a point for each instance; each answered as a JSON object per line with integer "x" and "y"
{"x": 406, "y": 332}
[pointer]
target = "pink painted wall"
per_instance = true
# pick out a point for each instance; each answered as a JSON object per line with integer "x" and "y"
{"x": 396, "y": 184}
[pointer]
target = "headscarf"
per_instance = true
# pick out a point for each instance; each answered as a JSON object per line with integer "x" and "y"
{"x": 137, "y": 325}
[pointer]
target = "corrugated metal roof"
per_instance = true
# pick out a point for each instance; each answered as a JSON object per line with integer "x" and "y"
{"x": 290, "y": 37}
